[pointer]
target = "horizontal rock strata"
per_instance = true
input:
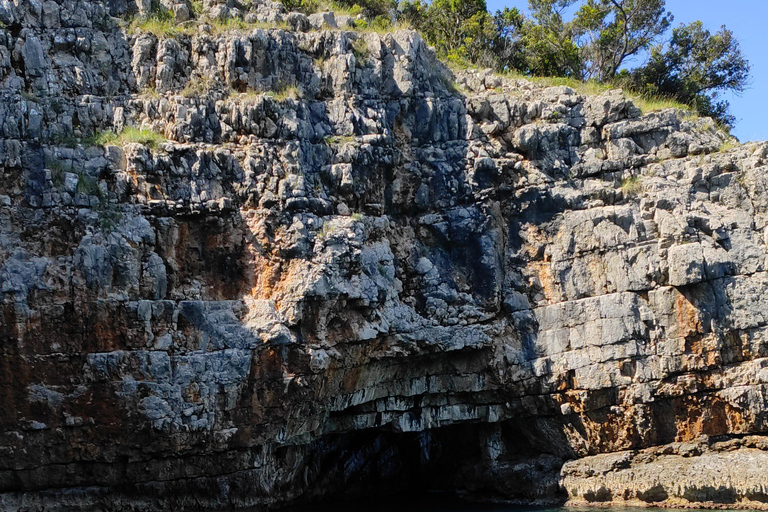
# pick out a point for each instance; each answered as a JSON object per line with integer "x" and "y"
{"x": 727, "y": 474}
{"x": 317, "y": 263}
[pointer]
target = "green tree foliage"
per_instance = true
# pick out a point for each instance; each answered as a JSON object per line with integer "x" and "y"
{"x": 372, "y": 8}
{"x": 459, "y": 29}
{"x": 611, "y": 31}
{"x": 548, "y": 43}
{"x": 695, "y": 67}
{"x": 596, "y": 43}
{"x": 509, "y": 44}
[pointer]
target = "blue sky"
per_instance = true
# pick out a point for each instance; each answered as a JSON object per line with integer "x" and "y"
{"x": 748, "y": 19}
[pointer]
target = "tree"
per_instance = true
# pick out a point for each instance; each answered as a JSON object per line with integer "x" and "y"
{"x": 459, "y": 29}
{"x": 695, "y": 68}
{"x": 372, "y": 8}
{"x": 549, "y": 46}
{"x": 508, "y": 45}
{"x": 611, "y": 31}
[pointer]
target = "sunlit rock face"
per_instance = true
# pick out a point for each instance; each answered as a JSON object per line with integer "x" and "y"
{"x": 338, "y": 270}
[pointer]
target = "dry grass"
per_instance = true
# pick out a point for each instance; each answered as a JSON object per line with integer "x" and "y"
{"x": 240, "y": 25}
{"x": 646, "y": 104}
{"x": 285, "y": 92}
{"x": 731, "y": 143}
{"x": 340, "y": 139}
{"x": 655, "y": 104}
{"x": 198, "y": 86}
{"x": 248, "y": 97}
{"x": 632, "y": 186}
{"x": 360, "y": 49}
{"x": 158, "y": 27}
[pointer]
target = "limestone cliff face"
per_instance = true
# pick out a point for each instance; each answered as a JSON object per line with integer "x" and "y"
{"x": 348, "y": 271}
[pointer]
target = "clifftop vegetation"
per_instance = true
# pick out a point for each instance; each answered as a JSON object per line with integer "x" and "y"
{"x": 586, "y": 40}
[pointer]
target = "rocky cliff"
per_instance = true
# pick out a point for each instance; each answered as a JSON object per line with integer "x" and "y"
{"x": 315, "y": 264}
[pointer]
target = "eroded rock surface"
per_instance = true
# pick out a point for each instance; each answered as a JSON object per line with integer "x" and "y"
{"x": 702, "y": 474}
{"x": 346, "y": 270}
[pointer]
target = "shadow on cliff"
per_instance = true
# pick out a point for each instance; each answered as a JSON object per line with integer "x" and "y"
{"x": 184, "y": 381}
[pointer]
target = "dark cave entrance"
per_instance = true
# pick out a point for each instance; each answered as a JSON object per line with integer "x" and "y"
{"x": 468, "y": 461}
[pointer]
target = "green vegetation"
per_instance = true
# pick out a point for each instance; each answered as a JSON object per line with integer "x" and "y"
{"x": 729, "y": 144}
{"x": 57, "y": 172}
{"x": 632, "y": 186}
{"x": 197, "y": 8}
{"x": 360, "y": 49}
{"x": 284, "y": 92}
{"x": 156, "y": 26}
{"x": 692, "y": 67}
{"x": 109, "y": 216}
{"x": 247, "y": 97}
{"x": 129, "y": 135}
{"x": 371, "y": 9}
{"x": 585, "y": 44}
{"x": 198, "y": 86}
{"x": 340, "y": 139}
{"x": 649, "y": 104}
{"x": 87, "y": 185}
{"x": 159, "y": 22}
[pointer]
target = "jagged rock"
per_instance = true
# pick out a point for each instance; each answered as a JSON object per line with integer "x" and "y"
{"x": 327, "y": 253}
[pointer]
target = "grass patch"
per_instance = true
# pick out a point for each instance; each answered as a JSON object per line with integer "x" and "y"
{"x": 129, "y": 135}
{"x": 248, "y": 97}
{"x": 197, "y": 8}
{"x": 380, "y": 25}
{"x": 731, "y": 143}
{"x": 360, "y": 49}
{"x": 57, "y": 173}
{"x": 132, "y": 135}
{"x": 340, "y": 139}
{"x": 198, "y": 86}
{"x": 67, "y": 141}
{"x": 632, "y": 186}
{"x": 109, "y": 218}
{"x": 160, "y": 28}
{"x": 655, "y": 104}
{"x": 589, "y": 88}
{"x": 285, "y": 92}
{"x": 87, "y": 185}
{"x": 160, "y": 22}
{"x": 646, "y": 104}
{"x": 151, "y": 92}
{"x": 240, "y": 25}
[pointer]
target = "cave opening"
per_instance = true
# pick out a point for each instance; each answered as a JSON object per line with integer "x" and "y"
{"x": 449, "y": 465}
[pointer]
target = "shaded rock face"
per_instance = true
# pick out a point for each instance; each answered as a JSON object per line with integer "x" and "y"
{"x": 373, "y": 278}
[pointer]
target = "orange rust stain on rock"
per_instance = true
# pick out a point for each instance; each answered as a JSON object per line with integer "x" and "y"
{"x": 709, "y": 416}
{"x": 687, "y": 316}
{"x": 551, "y": 289}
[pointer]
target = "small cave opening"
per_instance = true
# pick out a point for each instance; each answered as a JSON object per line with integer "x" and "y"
{"x": 446, "y": 467}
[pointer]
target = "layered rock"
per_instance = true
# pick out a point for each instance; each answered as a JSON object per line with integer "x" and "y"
{"x": 347, "y": 270}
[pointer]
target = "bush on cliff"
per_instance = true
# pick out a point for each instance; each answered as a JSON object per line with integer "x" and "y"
{"x": 693, "y": 66}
